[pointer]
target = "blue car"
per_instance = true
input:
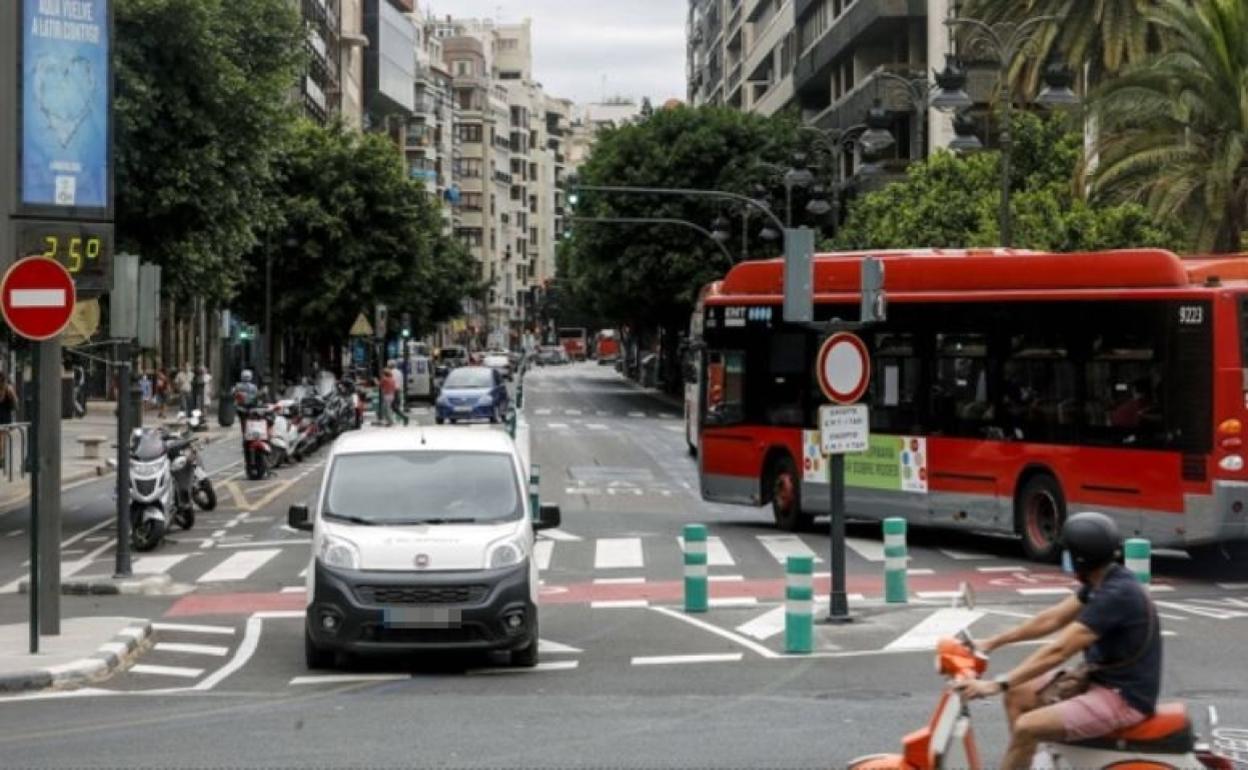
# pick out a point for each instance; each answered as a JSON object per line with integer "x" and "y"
{"x": 472, "y": 393}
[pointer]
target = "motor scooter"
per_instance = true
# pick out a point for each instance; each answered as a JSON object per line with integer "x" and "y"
{"x": 1164, "y": 741}
{"x": 151, "y": 489}
{"x": 257, "y": 450}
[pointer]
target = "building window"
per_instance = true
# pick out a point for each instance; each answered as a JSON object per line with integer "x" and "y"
{"x": 471, "y": 236}
{"x": 470, "y": 168}
{"x": 470, "y": 201}
{"x": 463, "y": 67}
{"x": 470, "y": 132}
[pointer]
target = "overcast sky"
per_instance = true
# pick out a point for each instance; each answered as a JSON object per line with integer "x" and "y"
{"x": 637, "y": 45}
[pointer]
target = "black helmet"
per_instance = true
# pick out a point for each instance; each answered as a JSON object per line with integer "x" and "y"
{"x": 1092, "y": 539}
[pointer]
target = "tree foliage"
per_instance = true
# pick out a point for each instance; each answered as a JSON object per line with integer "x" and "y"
{"x": 649, "y": 275}
{"x": 952, "y": 201}
{"x": 202, "y": 93}
{"x": 354, "y": 232}
{"x": 1174, "y": 130}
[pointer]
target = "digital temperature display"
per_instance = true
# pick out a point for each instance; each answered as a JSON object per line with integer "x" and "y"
{"x": 86, "y": 251}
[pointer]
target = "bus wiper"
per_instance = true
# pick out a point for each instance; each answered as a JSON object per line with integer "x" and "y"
{"x": 350, "y": 519}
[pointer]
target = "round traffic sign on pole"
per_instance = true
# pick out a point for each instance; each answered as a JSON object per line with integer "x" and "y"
{"x": 844, "y": 368}
{"x": 37, "y": 298}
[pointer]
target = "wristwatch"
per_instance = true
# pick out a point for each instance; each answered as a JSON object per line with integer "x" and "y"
{"x": 1003, "y": 681}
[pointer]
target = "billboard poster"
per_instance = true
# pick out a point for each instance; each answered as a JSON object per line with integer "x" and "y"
{"x": 895, "y": 463}
{"x": 65, "y": 112}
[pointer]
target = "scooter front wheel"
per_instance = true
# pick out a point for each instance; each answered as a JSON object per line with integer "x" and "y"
{"x": 258, "y": 467}
{"x": 145, "y": 535}
{"x": 205, "y": 496}
{"x": 185, "y": 518}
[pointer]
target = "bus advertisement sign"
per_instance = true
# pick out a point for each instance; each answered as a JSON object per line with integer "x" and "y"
{"x": 892, "y": 463}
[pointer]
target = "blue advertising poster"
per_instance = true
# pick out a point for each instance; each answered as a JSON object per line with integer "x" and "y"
{"x": 65, "y": 89}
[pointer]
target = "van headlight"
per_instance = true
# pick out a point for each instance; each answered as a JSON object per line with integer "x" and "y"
{"x": 338, "y": 552}
{"x": 506, "y": 554}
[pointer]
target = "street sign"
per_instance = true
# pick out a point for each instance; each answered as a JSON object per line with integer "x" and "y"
{"x": 37, "y": 298}
{"x": 844, "y": 368}
{"x": 843, "y": 429}
{"x": 361, "y": 327}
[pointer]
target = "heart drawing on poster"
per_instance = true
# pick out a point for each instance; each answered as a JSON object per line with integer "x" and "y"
{"x": 64, "y": 90}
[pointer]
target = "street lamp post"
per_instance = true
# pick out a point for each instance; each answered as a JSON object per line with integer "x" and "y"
{"x": 871, "y": 137}
{"x": 712, "y": 236}
{"x": 917, "y": 89}
{"x": 1005, "y": 42}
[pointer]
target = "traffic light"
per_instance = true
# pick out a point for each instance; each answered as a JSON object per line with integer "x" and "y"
{"x": 245, "y": 332}
{"x": 406, "y": 331}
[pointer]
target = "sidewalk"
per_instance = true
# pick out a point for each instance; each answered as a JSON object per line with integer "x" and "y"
{"x": 87, "y": 649}
{"x": 99, "y": 422}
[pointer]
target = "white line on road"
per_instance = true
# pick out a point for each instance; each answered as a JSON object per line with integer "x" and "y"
{"x": 346, "y": 678}
{"x": 572, "y": 412}
{"x": 619, "y": 581}
{"x": 730, "y": 636}
{"x": 542, "y": 551}
{"x": 15, "y": 533}
{"x": 557, "y": 425}
{"x": 726, "y": 578}
{"x": 618, "y": 553}
{"x": 265, "y": 543}
{"x": 1006, "y": 568}
{"x": 294, "y": 589}
{"x": 733, "y": 601}
{"x": 239, "y": 566}
{"x": 557, "y": 648}
{"x": 675, "y": 660}
{"x": 940, "y": 624}
{"x": 595, "y": 426}
{"x": 716, "y": 552}
{"x": 179, "y": 671}
{"x": 622, "y": 604}
{"x": 938, "y": 594}
{"x": 1044, "y": 591}
{"x": 193, "y": 649}
{"x": 783, "y": 546}
{"x": 871, "y": 550}
{"x": 541, "y": 412}
{"x": 920, "y": 572}
{"x": 192, "y": 628}
{"x": 964, "y": 555}
{"x": 560, "y": 535}
{"x": 550, "y": 665}
{"x": 764, "y": 626}
{"x": 156, "y": 565}
{"x": 636, "y": 414}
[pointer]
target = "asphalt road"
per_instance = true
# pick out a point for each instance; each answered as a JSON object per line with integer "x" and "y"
{"x": 626, "y": 679}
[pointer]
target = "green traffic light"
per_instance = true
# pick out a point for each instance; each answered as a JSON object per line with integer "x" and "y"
{"x": 573, "y": 199}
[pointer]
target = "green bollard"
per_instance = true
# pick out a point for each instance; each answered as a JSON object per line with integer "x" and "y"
{"x": 697, "y": 592}
{"x": 535, "y": 478}
{"x": 511, "y": 423}
{"x": 1138, "y": 557}
{"x": 896, "y": 559}
{"x": 799, "y": 600}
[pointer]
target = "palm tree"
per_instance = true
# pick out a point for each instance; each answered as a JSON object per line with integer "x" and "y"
{"x": 1106, "y": 35}
{"x": 1174, "y": 130}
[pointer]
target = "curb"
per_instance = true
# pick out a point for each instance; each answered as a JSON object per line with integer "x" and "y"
{"x": 150, "y": 585}
{"x": 107, "y": 659}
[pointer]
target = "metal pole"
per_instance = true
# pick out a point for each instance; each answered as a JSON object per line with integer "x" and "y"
{"x": 268, "y": 320}
{"x": 36, "y": 476}
{"x": 788, "y": 202}
{"x": 121, "y": 567}
{"x": 1007, "y": 236}
{"x": 838, "y": 600}
{"x": 49, "y": 488}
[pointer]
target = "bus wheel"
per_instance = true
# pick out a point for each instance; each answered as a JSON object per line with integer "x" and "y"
{"x": 786, "y": 496}
{"x": 1229, "y": 558}
{"x": 1039, "y": 511}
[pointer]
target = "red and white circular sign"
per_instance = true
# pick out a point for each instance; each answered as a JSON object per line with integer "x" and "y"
{"x": 844, "y": 368}
{"x": 37, "y": 298}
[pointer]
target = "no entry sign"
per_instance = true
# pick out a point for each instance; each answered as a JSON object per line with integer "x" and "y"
{"x": 844, "y": 368}
{"x": 37, "y": 298}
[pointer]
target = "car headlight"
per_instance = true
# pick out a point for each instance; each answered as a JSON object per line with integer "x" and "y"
{"x": 506, "y": 554}
{"x": 337, "y": 552}
{"x": 485, "y": 401}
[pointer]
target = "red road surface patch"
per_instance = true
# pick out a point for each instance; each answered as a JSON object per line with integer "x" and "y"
{"x": 234, "y": 604}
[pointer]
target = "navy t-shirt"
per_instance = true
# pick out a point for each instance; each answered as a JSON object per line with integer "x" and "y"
{"x": 1117, "y": 611}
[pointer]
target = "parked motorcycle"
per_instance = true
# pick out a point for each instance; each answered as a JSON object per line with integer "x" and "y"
{"x": 151, "y": 489}
{"x": 257, "y": 450}
{"x": 191, "y": 485}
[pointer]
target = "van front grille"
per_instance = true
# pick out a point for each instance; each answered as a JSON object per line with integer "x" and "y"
{"x": 421, "y": 594}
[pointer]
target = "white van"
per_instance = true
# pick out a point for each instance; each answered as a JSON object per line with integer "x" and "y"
{"x": 422, "y": 539}
{"x": 419, "y": 381}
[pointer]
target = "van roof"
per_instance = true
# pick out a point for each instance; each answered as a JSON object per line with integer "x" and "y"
{"x": 425, "y": 439}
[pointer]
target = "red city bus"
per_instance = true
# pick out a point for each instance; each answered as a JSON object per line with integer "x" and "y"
{"x": 1007, "y": 389}
{"x": 575, "y": 342}
{"x": 607, "y": 346}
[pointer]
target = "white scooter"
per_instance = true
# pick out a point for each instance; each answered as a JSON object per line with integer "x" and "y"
{"x": 151, "y": 489}
{"x": 1165, "y": 741}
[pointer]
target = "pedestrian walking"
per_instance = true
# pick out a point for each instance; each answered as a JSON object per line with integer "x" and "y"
{"x": 206, "y": 391}
{"x": 399, "y": 391}
{"x": 183, "y": 382}
{"x": 146, "y": 385}
{"x": 8, "y": 412}
{"x": 197, "y": 388}
{"x": 387, "y": 387}
{"x": 160, "y": 390}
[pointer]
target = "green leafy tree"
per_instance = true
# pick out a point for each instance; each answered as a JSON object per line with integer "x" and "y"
{"x": 952, "y": 201}
{"x": 354, "y": 232}
{"x": 202, "y": 95}
{"x": 1174, "y": 130}
{"x": 1106, "y": 35}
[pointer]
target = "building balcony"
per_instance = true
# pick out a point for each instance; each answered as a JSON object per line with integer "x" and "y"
{"x": 870, "y": 20}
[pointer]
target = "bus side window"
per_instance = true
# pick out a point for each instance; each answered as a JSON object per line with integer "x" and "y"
{"x": 725, "y": 387}
{"x": 959, "y": 397}
{"x": 894, "y": 384}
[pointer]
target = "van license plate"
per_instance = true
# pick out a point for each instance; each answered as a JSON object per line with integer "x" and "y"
{"x": 424, "y": 617}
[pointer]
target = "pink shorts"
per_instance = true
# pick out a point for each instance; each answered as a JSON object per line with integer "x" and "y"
{"x": 1097, "y": 712}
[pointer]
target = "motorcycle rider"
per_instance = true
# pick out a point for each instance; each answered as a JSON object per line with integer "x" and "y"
{"x": 245, "y": 392}
{"x": 1111, "y": 621}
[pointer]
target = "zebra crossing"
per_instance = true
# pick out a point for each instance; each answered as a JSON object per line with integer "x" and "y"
{"x": 631, "y": 414}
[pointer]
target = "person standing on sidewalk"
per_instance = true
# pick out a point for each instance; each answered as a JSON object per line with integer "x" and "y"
{"x": 197, "y": 389}
{"x": 160, "y": 390}
{"x": 400, "y": 382}
{"x": 387, "y": 388}
{"x": 183, "y": 382}
{"x": 8, "y": 411}
{"x": 205, "y": 393}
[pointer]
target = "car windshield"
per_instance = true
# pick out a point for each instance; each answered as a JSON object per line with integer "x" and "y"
{"x": 423, "y": 487}
{"x": 469, "y": 377}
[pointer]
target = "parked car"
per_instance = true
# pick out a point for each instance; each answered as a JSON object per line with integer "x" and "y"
{"x": 448, "y": 358}
{"x": 498, "y": 361}
{"x": 422, "y": 512}
{"x": 472, "y": 393}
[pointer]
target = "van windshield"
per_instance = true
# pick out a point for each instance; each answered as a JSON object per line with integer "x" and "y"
{"x": 391, "y": 488}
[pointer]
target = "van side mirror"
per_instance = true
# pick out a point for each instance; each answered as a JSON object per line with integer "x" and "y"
{"x": 297, "y": 517}
{"x": 548, "y": 516}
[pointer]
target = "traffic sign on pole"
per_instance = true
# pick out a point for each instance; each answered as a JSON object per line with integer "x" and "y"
{"x": 844, "y": 368}
{"x": 37, "y": 298}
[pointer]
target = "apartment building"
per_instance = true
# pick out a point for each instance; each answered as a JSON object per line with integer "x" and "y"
{"x": 822, "y": 58}
{"x": 320, "y": 85}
